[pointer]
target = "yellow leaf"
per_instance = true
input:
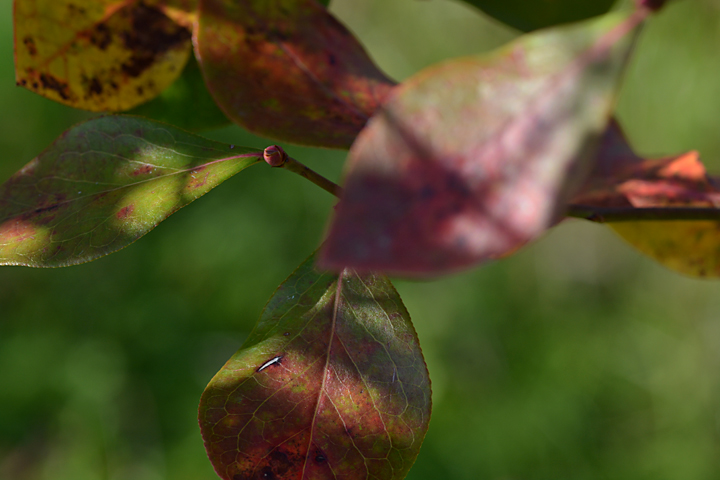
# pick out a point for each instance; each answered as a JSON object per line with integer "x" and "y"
{"x": 100, "y": 55}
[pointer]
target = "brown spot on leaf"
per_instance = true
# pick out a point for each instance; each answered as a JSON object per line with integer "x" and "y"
{"x": 152, "y": 34}
{"x": 30, "y": 45}
{"x": 50, "y": 82}
{"x": 125, "y": 212}
{"x": 95, "y": 86}
{"x": 101, "y": 36}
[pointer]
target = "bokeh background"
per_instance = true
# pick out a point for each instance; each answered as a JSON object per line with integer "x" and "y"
{"x": 574, "y": 359}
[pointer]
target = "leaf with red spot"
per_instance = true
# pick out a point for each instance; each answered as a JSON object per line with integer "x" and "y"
{"x": 624, "y": 184}
{"x": 527, "y": 16}
{"x": 105, "y": 183}
{"x": 288, "y": 69}
{"x": 100, "y": 55}
{"x": 471, "y": 159}
{"x": 330, "y": 384}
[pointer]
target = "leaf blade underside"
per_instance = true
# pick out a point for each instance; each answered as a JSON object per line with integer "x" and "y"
{"x": 330, "y": 384}
{"x": 471, "y": 159}
{"x": 105, "y": 183}
{"x": 624, "y": 181}
{"x": 288, "y": 70}
{"x": 106, "y": 55}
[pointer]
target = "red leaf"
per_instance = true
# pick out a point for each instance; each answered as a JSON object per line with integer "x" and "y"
{"x": 623, "y": 185}
{"x": 473, "y": 158}
{"x": 331, "y": 384}
{"x": 288, "y": 70}
{"x": 623, "y": 179}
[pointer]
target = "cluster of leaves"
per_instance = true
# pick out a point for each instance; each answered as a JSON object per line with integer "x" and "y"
{"x": 465, "y": 162}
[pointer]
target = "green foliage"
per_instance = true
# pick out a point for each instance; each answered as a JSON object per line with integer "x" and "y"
{"x": 307, "y": 79}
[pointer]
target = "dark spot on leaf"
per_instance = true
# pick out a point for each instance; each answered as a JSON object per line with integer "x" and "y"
{"x": 151, "y": 35}
{"x": 95, "y": 86}
{"x": 101, "y": 36}
{"x": 125, "y": 212}
{"x": 30, "y": 45}
{"x": 331, "y": 59}
{"x": 280, "y": 463}
{"x": 50, "y": 82}
{"x": 320, "y": 458}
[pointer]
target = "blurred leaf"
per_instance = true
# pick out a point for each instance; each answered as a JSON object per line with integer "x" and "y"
{"x": 102, "y": 185}
{"x": 98, "y": 55}
{"x": 526, "y": 16}
{"x": 288, "y": 70}
{"x": 623, "y": 181}
{"x": 473, "y": 158}
{"x": 186, "y": 104}
{"x": 330, "y": 384}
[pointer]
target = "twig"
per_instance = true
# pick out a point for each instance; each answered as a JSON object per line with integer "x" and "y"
{"x": 632, "y": 214}
{"x": 276, "y": 157}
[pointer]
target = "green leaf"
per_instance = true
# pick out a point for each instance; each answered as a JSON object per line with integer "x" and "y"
{"x": 474, "y": 157}
{"x": 331, "y": 383}
{"x": 186, "y": 104}
{"x": 288, "y": 69}
{"x": 527, "y": 16}
{"x": 105, "y": 183}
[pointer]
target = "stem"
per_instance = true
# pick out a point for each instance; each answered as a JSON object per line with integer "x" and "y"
{"x": 277, "y": 158}
{"x": 631, "y": 214}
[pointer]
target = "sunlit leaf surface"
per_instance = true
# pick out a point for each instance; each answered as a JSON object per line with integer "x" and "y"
{"x": 104, "y": 184}
{"x": 100, "y": 55}
{"x": 288, "y": 70}
{"x": 526, "y": 16}
{"x": 331, "y": 384}
{"x": 623, "y": 180}
{"x": 473, "y": 158}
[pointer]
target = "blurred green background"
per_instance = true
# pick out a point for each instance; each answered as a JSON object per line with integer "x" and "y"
{"x": 574, "y": 359}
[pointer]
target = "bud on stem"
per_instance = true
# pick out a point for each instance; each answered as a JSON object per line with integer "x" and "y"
{"x": 275, "y": 156}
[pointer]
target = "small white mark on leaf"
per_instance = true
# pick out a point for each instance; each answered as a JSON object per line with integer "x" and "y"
{"x": 272, "y": 361}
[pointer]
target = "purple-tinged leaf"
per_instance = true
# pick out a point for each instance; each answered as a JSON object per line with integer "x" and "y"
{"x": 331, "y": 384}
{"x": 288, "y": 70}
{"x": 471, "y": 159}
{"x": 105, "y": 183}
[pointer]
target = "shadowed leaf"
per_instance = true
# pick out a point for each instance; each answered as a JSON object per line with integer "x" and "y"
{"x": 100, "y": 55}
{"x": 526, "y": 16}
{"x": 104, "y": 184}
{"x": 623, "y": 181}
{"x": 471, "y": 159}
{"x": 330, "y": 384}
{"x": 186, "y": 103}
{"x": 288, "y": 70}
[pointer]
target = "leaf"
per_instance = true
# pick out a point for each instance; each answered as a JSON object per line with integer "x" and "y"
{"x": 186, "y": 104}
{"x": 527, "y": 16}
{"x": 472, "y": 158}
{"x": 330, "y": 384}
{"x": 288, "y": 69}
{"x": 102, "y": 185}
{"x": 623, "y": 181}
{"x": 100, "y": 55}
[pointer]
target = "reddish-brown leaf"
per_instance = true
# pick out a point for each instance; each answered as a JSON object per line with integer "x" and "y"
{"x": 101, "y": 55}
{"x": 331, "y": 384}
{"x": 623, "y": 182}
{"x": 473, "y": 158}
{"x": 288, "y": 70}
